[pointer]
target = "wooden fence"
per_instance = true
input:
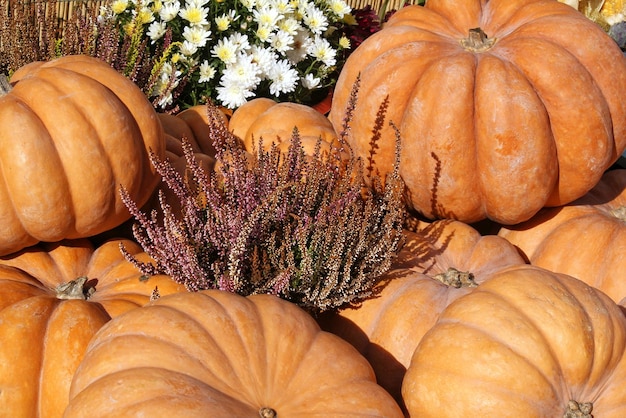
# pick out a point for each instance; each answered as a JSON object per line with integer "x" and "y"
{"x": 65, "y": 8}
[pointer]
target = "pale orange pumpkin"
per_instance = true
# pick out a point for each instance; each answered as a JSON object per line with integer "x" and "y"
{"x": 218, "y": 354}
{"x": 53, "y": 299}
{"x": 504, "y": 106}
{"x": 72, "y": 131}
{"x": 585, "y": 239}
{"x": 443, "y": 261}
{"x": 527, "y": 343}
{"x": 274, "y": 123}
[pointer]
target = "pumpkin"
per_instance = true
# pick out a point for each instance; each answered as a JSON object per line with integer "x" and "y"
{"x": 217, "y": 354}
{"x": 53, "y": 299}
{"x": 527, "y": 343}
{"x": 72, "y": 130}
{"x": 437, "y": 264}
{"x": 585, "y": 239}
{"x": 275, "y": 122}
{"x": 503, "y": 106}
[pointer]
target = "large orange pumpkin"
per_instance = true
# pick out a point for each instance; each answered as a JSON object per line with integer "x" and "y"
{"x": 527, "y": 343}
{"x": 53, "y": 299}
{"x": 585, "y": 239}
{"x": 504, "y": 106}
{"x": 72, "y": 130}
{"x": 218, "y": 354}
{"x": 443, "y": 261}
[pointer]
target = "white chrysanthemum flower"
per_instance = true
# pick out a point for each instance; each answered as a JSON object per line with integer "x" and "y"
{"x": 284, "y": 7}
{"x": 339, "y": 7}
{"x": 283, "y": 78}
{"x": 266, "y": 16}
{"x": 232, "y": 95}
{"x": 188, "y": 49}
{"x": 195, "y": 15}
{"x": 281, "y": 41}
{"x": 156, "y": 30}
{"x": 263, "y": 33}
{"x": 119, "y": 6}
{"x": 249, "y": 4}
{"x": 225, "y": 51}
{"x": 323, "y": 51}
{"x": 206, "y": 71}
{"x": 196, "y": 35}
{"x": 223, "y": 22}
{"x": 244, "y": 72}
{"x": 300, "y": 47}
{"x": 240, "y": 41}
{"x": 290, "y": 25}
{"x": 168, "y": 80}
{"x": 264, "y": 58}
{"x": 311, "y": 82}
{"x": 197, "y": 3}
{"x": 315, "y": 19}
{"x": 169, "y": 11}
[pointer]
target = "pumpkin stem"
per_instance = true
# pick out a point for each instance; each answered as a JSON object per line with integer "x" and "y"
{"x": 75, "y": 289}
{"x": 5, "y": 86}
{"x": 620, "y": 213}
{"x": 456, "y": 278}
{"x": 578, "y": 410}
{"x": 267, "y": 413}
{"x": 477, "y": 41}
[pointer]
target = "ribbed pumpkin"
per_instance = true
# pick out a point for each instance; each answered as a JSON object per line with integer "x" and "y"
{"x": 504, "y": 106}
{"x": 53, "y": 299}
{"x": 217, "y": 354}
{"x": 443, "y": 261}
{"x": 585, "y": 239}
{"x": 274, "y": 122}
{"x": 72, "y": 130}
{"x": 527, "y": 343}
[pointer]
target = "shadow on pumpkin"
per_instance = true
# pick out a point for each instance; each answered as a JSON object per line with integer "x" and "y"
{"x": 390, "y": 374}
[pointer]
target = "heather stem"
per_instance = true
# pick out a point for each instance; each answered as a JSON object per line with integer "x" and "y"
{"x": 5, "y": 86}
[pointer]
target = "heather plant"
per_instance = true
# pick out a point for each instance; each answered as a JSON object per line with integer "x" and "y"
{"x": 303, "y": 227}
{"x": 34, "y": 31}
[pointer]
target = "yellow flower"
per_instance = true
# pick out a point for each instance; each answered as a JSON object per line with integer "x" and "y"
{"x": 613, "y": 11}
{"x": 144, "y": 16}
{"x": 157, "y": 6}
{"x": 344, "y": 42}
{"x": 118, "y": 6}
{"x": 129, "y": 28}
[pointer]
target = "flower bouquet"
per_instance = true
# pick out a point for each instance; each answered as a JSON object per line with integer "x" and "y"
{"x": 229, "y": 51}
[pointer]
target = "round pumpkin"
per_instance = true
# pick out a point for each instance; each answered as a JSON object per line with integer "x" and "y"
{"x": 503, "y": 106}
{"x": 53, "y": 299}
{"x": 217, "y": 354}
{"x": 274, "y": 123}
{"x": 439, "y": 263}
{"x": 585, "y": 239}
{"x": 72, "y": 130}
{"x": 527, "y": 343}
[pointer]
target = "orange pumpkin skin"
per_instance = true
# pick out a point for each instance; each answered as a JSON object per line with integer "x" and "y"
{"x": 523, "y": 344}
{"x": 73, "y": 131}
{"x": 274, "y": 122}
{"x": 387, "y": 328}
{"x": 490, "y": 131}
{"x": 585, "y": 239}
{"x": 218, "y": 354}
{"x": 44, "y": 335}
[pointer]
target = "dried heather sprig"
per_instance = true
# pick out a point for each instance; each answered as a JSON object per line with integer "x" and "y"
{"x": 306, "y": 228}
